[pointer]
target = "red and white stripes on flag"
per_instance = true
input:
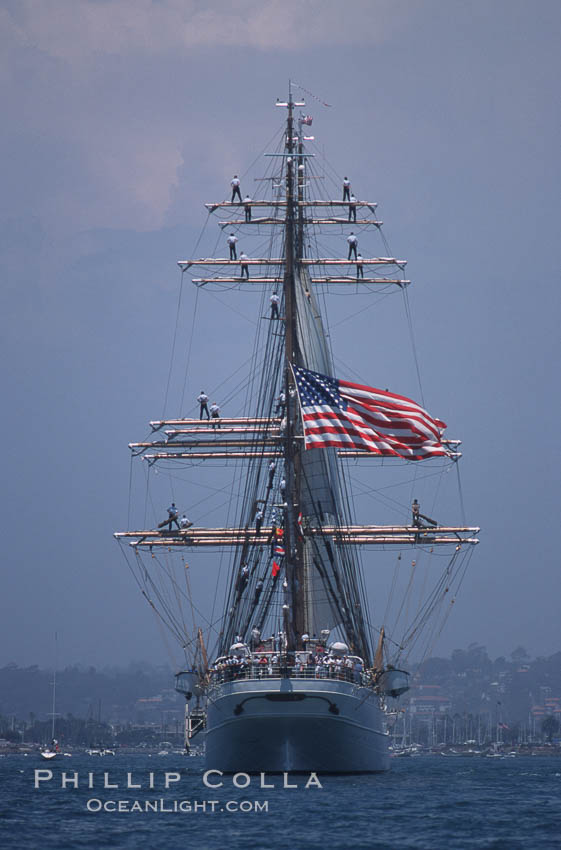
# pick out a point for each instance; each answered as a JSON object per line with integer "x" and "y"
{"x": 351, "y": 416}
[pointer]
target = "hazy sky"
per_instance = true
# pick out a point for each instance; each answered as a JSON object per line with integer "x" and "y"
{"x": 120, "y": 119}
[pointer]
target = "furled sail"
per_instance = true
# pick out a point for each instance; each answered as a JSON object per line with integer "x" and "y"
{"x": 328, "y": 598}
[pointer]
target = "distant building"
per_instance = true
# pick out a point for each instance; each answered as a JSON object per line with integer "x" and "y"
{"x": 427, "y": 700}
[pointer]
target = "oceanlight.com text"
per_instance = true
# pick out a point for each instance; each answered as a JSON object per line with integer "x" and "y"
{"x": 177, "y": 806}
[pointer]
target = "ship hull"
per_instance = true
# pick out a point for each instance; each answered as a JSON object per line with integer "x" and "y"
{"x": 298, "y": 726}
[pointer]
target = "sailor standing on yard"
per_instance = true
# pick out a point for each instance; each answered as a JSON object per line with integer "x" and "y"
{"x": 235, "y": 184}
{"x": 245, "y": 268}
{"x": 258, "y": 521}
{"x": 231, "y": 240}
{"x": 352, "y": 208}
{"x": 173, "y": 513}
{"x": 359, "y": 268}
{"x": 215, "y": 415}
{"x": 346, "y": 189}
{"x": 203, "y": 401}
{"x": 274, "y": 306}
{"x": 247, "y": 208}
{"x": 353, "y": 245}
{"x": 417, "y": 516}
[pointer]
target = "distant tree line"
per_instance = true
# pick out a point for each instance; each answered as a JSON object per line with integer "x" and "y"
{"x": 503, "y": 690}
{"x": 80, "y": 691}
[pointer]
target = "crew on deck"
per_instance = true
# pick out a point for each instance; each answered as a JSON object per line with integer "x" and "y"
{"x": 275, "y": 662}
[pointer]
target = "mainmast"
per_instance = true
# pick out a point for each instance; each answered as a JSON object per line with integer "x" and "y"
{"x": 293, "y": 610}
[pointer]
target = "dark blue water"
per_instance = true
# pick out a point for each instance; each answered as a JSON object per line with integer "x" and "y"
{"x": 426, "y": 802}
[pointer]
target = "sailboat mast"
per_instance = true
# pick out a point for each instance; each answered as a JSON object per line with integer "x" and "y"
{"x": 294, "y": 598}
{"x": 54, "y": 704}
{"x": 54, "y": 688}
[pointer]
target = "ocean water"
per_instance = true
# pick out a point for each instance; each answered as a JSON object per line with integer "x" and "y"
{"x": 434, "y": 802}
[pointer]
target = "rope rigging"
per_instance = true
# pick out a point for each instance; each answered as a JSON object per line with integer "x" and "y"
{"x": 335, "y": 571}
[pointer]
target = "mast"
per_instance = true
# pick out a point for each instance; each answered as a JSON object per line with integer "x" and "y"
{"x": 294, "y": 599}
{"x": 301, "y": 178}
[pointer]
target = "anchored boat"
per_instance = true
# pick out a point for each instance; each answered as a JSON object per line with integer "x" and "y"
{"x": 296, "y": 675}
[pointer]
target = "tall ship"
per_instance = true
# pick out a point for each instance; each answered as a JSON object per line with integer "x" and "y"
{"x": 297, "y": 674}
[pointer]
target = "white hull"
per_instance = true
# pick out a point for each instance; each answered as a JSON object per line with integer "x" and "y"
{"x": 295, "y": 725}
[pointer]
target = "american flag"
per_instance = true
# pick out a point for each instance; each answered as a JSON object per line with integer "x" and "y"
{"x": 352, "y": 416}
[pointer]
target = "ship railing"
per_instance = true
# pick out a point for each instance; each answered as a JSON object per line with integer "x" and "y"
{"x": 277, "y": 671}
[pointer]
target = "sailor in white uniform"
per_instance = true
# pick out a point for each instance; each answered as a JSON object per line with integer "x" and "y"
{"x": 203, "y": 401}
{"x": 353, "y": 245}
{"x": 359, "y": 268}
{"x": 247, "y": 208}
{"x": 235, "y": 183}
{"x": 245, "y": 267}
{"x": 274, "y": 305}
{"x": 231, "y": 240}
{"x": 215, "y": 415}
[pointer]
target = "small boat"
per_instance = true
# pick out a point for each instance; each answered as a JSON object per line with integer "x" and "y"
{"x": 52, "y": 750}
